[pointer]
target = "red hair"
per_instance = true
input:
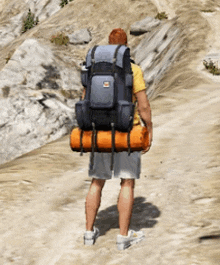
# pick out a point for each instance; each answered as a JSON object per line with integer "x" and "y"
{"x": 118, "y": 36}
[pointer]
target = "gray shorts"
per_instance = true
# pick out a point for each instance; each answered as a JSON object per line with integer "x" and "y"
{"x": 125, "y": 166}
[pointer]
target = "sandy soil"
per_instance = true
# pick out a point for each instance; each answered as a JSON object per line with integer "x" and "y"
{"x": 177, "y": 200}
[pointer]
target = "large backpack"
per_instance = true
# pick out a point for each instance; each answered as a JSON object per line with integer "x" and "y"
{"x": 108, "y": 79}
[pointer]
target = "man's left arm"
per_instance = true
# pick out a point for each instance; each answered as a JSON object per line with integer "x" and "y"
{"x": 83, "y": 93}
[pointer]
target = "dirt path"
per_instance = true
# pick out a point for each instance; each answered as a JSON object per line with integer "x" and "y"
{"x": 176, "y": 199}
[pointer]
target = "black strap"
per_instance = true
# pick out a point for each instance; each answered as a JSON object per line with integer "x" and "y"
{"x": 81, "y": 144}
{"x": 93, "y": 146}
{"x": 113, "y": 145}
{"x": 115, "y": 57}
{"x": 96, "y": 145}
{"x": 91, "y": 161}
{"x": 93, "y": 58}
{"x": 129, "y": 143}
{"x": 93, "y": 52}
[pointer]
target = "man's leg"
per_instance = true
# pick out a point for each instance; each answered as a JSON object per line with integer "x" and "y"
{"x": 125, "y": 205}
{"x": 93, "y": 200}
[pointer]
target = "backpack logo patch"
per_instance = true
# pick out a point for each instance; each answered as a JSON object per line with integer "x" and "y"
{"x": 106, "y": 84}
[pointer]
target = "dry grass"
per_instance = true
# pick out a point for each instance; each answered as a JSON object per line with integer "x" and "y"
{"x": 60, "y": 39}
{"x": 211, "y": 67}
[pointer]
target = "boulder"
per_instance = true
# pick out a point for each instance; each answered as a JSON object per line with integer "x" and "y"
{"x": 81, "y": 36}
{"x": 34, "y": 66}
{"x": 28, "y": 122}
{"x": 26, "y": 66}
{"x": 143, "y": 26}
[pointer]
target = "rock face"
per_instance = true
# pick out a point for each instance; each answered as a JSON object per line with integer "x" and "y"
{"x": 34, "y": 66}
{"x": 11, "y": 30}
{"x": 34, "y": 109}
{"x": 156, "y": 52}
{"x": 143, "y": 26}
{"x": 42, "y": 9}
{"x": 40, "y": 83}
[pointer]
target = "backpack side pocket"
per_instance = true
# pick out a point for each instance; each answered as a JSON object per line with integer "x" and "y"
{"x": 125, "y": 114}
{"x": 82, "y": 109}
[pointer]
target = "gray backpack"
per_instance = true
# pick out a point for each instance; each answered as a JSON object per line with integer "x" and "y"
{"x": 108, "y": 79}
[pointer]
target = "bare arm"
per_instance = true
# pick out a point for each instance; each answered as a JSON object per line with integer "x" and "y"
{"x": 144, "y": 107}
{"x": 84, "y": 93}
{"x": 145, "y": 113}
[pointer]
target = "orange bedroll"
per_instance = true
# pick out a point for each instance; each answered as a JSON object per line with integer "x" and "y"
{"x": 139, "y": 140}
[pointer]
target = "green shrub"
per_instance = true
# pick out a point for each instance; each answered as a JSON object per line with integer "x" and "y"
{"x": 161, "y": 16}
{"x": 64, "y": 2}
{"x": 211, "y": 67}
{"x": 60, "y": 39}
{"x": 29, "y": 22}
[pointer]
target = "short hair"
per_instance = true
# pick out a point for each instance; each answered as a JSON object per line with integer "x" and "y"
{"x": 118, "y": 36}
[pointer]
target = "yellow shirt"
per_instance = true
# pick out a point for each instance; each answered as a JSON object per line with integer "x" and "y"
{"x": 138, "y": 85}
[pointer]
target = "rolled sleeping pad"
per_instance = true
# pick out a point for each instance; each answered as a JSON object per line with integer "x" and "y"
{"x": 139, "y": 140}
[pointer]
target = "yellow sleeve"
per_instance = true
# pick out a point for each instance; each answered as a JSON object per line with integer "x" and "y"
{"x": 138, "y": 79}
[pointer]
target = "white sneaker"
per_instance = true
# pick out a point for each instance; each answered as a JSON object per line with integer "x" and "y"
{"x": 133, "y": 237}
{"x": 91, "y": 236}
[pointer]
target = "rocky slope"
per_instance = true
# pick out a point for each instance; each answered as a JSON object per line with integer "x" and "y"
{"x": 42, "y": 193}
{"x": 40, "y": 81}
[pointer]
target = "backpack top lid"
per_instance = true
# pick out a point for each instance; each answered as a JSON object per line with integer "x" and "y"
{"x": 105, "y": 53}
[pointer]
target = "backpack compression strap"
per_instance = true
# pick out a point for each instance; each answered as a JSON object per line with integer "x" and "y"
{"x": 112, "y": 124}
{"x": 81, "y": 144}
{"x": 129, "y": 143}
{"x": 93, "y": 146}
{"x": 113, "y": 145}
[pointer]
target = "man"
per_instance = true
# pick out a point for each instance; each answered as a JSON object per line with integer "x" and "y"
{"x": 125, "y": 167}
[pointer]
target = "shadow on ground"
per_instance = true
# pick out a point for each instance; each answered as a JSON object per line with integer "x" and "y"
{"x": 143, "y": 216}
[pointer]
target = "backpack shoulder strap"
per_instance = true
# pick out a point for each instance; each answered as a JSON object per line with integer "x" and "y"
{"x": 93, "y": 57}
{"x": 115, "y": 57}
{"x": 93, "y": 52}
